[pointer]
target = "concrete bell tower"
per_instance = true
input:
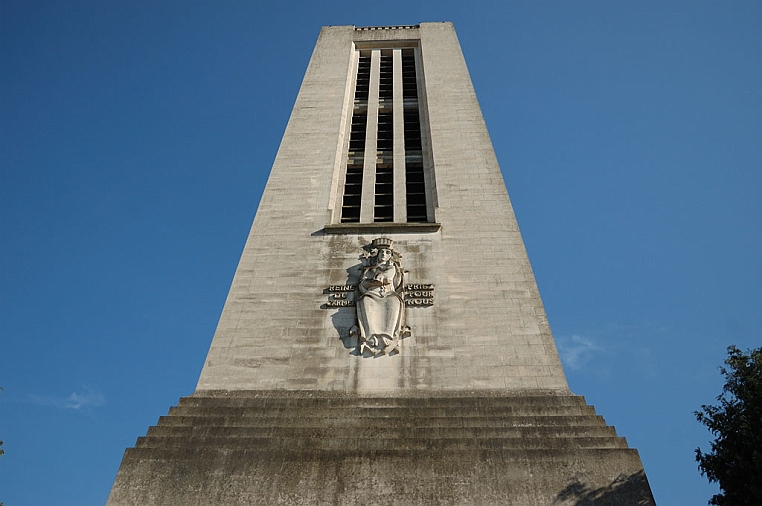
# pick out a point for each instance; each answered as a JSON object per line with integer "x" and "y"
{"x": 383, "y": 341}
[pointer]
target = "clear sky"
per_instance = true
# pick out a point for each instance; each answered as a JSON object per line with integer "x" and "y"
{"x": 136, "y": 138}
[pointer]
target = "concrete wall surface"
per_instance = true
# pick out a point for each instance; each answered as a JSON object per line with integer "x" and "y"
{"x": 487, "y": 328}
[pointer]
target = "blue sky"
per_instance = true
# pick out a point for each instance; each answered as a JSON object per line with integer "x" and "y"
{"x": 136, "y": 138}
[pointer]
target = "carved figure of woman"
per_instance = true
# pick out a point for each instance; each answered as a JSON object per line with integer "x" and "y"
{"x": 380, "y": 306}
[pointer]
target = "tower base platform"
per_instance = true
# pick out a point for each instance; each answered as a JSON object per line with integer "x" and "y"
{"x": 324, "y": 448}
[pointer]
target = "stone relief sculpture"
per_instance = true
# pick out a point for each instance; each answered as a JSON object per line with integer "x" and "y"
{"x": 380, "y": 300}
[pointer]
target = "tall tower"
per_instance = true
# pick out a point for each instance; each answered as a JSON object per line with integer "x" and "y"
{"x": 383, "y": 341}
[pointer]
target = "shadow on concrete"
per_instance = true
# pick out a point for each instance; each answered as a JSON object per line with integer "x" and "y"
{"x": 632, "y": 490}
{"x": 346, "y": 317}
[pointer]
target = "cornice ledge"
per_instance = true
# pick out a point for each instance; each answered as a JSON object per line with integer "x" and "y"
{"x": 382, "y": 228}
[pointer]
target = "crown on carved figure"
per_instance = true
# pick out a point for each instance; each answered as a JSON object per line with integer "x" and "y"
{"x": 382, "y": 242}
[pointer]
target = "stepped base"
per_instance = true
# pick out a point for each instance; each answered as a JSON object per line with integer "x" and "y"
{"x": 308, "y": 448}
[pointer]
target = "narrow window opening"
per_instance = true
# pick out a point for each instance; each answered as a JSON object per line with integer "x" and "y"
{"x": 352, "y": 199}
{"x": 409, "y": 83}
{"x": 385, "y": 140}
{"x": 415, "y": 188}
{"x": 363, "y": 78}
{"x": 385, "y": 81}
{"x": 383, "y": 208}
{"x": 350, "y": 205}
{"x": 415, "y": 183}
{"x": 357, "y": 133}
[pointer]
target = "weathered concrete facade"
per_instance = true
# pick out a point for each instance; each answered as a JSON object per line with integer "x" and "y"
{"x": 466, "y": 403}
{"x": 487, "y": 328}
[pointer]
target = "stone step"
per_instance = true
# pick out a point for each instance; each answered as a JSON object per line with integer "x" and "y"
{"x": 507, "y": 455}
{"x": 298, "y": 422}
{"x": 433, "y": 444}
{"x": 386, "y": 431}
{"x": 402, "y": 476}
{"x": 243, "y": 420}
{"x": 383, "y": 411}
{"x": 301, "y": 399}
{"x": 481, "y": 446}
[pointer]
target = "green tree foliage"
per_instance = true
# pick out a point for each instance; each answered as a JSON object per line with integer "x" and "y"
{"x": 735, "y": 461}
